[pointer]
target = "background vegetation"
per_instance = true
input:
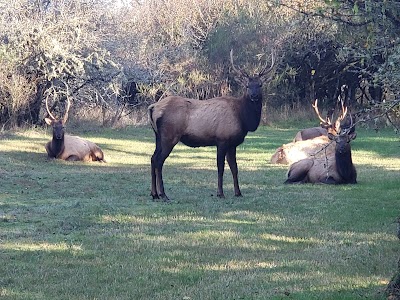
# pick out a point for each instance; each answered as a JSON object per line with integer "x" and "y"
{"x": 91, "y": 231}
{"x": 112, "y": 58}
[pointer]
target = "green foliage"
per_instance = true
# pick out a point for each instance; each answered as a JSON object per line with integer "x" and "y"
{"x": 89, "y": 230}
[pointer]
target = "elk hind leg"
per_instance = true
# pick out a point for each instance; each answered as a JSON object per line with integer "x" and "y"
{"x": 73, "y": 158}
{"x": 98, "y": 155}
{"x": 163, "y": 149}
{"x": 299, "y": 171}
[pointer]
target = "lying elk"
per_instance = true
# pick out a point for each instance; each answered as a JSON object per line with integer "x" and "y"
{"x": 222, "y": 122}
{"x": 334, "y": 168}
{"x": 68, "y": 147}
{"x": 310, "y": 133}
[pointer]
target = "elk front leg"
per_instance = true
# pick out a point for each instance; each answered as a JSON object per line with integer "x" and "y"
{"x": 221, "y": 152}
{"x": 231, "y": 158}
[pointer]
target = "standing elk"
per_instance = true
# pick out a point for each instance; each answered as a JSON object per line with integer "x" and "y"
{"x": 334, "y": 168}
{"x": 69, "y": 147}
{"x": 222, "y": 122}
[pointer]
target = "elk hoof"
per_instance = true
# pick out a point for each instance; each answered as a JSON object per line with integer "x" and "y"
{"x": 164, "y": 198}
{"x": 155, "y": 196}
{"x": 222, "y": 196}
{"x": 238, "y": 194}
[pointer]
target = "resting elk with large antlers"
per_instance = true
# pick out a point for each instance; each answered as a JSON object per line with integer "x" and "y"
{"x": 68, "y": 147}
{"x": 222, "y": 122}
{"x": 333, "y": 168}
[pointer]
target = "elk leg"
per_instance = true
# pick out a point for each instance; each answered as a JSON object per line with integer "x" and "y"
{"x": 154, "y": 193}
{"x": 221, "y": 153}
{"x": 160, "y": 183}
{"x": 164, "y": 149}
{"x": 231, "y": 158}
{"x": 72, "y": 158}
{"x": 154, "y": 166}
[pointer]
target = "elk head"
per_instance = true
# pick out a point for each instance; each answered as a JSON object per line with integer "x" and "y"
{"x": 341, "y": 131}
{"x": 58, "y": 125}
{"x": 253, "y": 84}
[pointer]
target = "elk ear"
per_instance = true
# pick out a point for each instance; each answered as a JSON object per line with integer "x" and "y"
{"x": 48, "y": 121}
{"x": 331, "y": 136}
{"x": 352, "y": 136}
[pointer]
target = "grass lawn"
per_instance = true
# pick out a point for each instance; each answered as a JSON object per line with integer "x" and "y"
{"x": 91, "y": 230}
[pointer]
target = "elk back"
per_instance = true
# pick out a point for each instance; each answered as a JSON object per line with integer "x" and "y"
{"x": 310, "y": 133}
{"x": 295, "y": 151}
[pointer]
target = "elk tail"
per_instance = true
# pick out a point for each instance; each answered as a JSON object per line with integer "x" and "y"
{"x": 151, "y": 118}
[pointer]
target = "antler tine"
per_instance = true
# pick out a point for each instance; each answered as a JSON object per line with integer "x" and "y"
{"x": 239, "y": 71}
{"x": 264, "y": 70}
{"x": 341, "y": 117}
{"x": 315, "y": 106}
{"x": 68, "y": 102}
{"x": 67, "y": 110}
{"x": 344, "y": 111}
{"x": 48, "y": 110}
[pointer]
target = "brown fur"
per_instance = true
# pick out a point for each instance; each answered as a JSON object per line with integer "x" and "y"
{"x": 222, "y": 122}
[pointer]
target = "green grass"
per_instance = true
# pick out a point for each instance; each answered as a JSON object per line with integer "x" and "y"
{"x": 91, "y": 230}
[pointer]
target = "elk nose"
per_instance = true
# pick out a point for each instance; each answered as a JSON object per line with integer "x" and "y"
{"x": 254, "y": 96}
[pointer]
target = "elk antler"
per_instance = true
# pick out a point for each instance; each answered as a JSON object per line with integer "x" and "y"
{"x": 265, "y": 70}
{"x": 67, "y": 110}
{"x": 325, "y": 122}
{"x": 344, "y": 111}
{"x": 48, "y": 110}
{"x": 239, "y": 71}
{"x": 341, "y": 117}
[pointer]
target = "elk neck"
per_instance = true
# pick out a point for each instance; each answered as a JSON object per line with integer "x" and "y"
{"x": 250, "y": 113}
{"x": 344, "y": 164}
{"x": 57, "y": 145}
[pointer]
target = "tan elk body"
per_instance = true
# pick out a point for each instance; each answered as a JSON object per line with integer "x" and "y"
{"x": 222, "y": 122}
{"x": 69, "y": 147}
{"x": 334, "y": 167}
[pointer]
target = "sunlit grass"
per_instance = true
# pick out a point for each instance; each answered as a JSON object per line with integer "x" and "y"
{"x": 41, "y": 247}
{"x": 91, "y": 231}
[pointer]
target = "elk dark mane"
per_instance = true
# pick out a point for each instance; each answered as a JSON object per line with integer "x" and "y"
{"x": 222, "y": 122}
{"x": 57, "y": 144}
{"x": 344, "y": 164}
{"x": 250, "y": 113}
